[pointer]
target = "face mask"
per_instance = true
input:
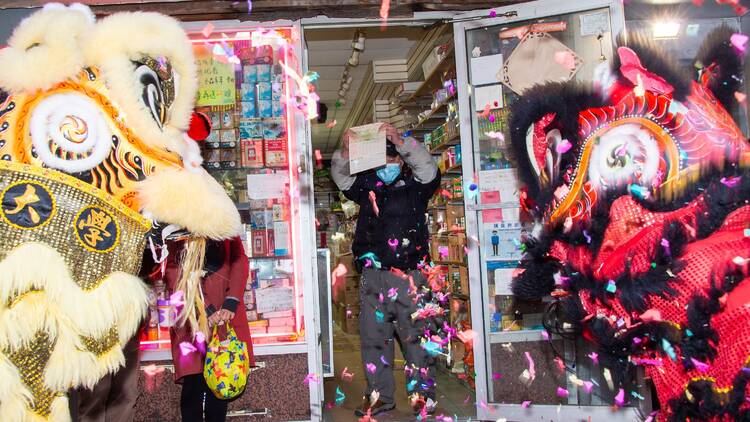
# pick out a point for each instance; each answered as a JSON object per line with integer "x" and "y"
{"x": 389, "y": 173}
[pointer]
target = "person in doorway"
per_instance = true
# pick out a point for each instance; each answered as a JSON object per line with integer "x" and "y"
{"x": 495, "y": 240}
{"x": 223, "y": 287}
{"x": 390, "y": 243}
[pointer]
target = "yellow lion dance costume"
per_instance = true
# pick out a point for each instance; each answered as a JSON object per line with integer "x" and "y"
{"x": 92, "y": 148}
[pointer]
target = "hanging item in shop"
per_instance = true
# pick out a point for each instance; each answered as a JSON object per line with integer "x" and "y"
{"x": 93, "y": 118}
{"x": 534, "y": 52}
{"x": 641, "y": 182}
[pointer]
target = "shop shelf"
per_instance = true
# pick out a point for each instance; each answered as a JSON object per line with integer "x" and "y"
{"x": 456, "y": 169}
{"x": 452, "y": 141}
{"x": 267, "y": 258}
{"x": 460, "y": 264}
{"x": 432, "y": 81}
{"x": 435, "y": 113}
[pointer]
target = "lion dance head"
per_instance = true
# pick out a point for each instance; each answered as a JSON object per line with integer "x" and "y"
{"x": 640, "y": 182}
{"x": 93, "y": 149}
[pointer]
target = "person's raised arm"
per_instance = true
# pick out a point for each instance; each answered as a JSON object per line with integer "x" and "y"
{"x": 415, "y": 155}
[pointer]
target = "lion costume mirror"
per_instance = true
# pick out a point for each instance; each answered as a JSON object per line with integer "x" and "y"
{"x": 93, "y": 148}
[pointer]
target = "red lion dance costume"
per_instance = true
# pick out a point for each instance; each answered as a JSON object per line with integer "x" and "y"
{"x": 645, "y": 242}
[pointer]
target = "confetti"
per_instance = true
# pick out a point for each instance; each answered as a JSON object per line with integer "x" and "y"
{"x": 651, "y": 315}
{"x": 638, "y": 191}
{"x": 565, "y": 59}
{"x": 731, "y": 181}
{"x": 493, "y": 14}
{"x": 668, "y": 349}
{"x": 526, "y": 404}
{"x": 476, "y": 52}
{"x": 207, "y": 30}
{"x": 562, "y": 393}
{"x": 371, "y": 368}
{"x": 486, "y": 112}
{"x": 385, "y": 7}
{"x": 700, "y": 366}
{"x": 739, "y": 41}
{"x": 594, "y": 357}
{"x": 611, "y": 286}
{"x": 373, "y": 201}
{"x": 466, "y": 336}
{"x": 588, "y": 386}
{"x": 639, "y": 90}
{"x": 532, "y": 372}
{"x": 177, "y": 299}
{"x": 496, "y": 376}
{"x": 564, "y": 146}
{"x": 393, "y": 294}
{"x": 443, "y": 251}
{"x": 741, "y": 97}
{"x": 331, "y": 125}
{"x": 587, "y": 236}
{"x": 340, "y": 396}
{"x": 746, "y": 232}
{"x": 187, "y": 348}
{"x": 339, "y": 273}
{"x": 374, "y": 396}
{"x": 620, "y": 398}
{"x": 393, "y": 243}
{"x": 496, "y": 135}
{"x": 311, "y": 378}
{"x": 382, "y": 359}
{"x": 345, "y": 375}
{"x": 379, "y": 317}
{"x": 249, "y": 6}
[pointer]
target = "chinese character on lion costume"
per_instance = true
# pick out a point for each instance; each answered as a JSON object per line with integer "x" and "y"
{"x": 93, "y": 148}
{"x": 641, "y": 184}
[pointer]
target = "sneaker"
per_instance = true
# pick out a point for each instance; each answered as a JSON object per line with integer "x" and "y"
{"x": 420, "y": 406}
{"x": 372, "y": 410}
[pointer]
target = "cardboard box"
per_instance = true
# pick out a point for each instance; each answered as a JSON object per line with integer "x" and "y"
{"x": 251, "y": 153}
{"x": 259, "y": 242}
{"x": 276, "y": 153}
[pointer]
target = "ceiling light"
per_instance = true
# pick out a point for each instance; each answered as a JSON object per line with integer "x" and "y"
{"x": 666, "y": 29}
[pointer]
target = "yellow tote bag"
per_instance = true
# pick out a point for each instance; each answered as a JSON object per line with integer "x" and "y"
{"x": 227, "y": 365}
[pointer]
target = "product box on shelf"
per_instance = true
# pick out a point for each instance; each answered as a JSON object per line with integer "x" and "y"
{"x": 227, "y": 138}
{"x": 227, "y": 119}
{"x": 251, "y": 151}
{"x": 281, "y": 238}
{"x": 214, "y": 117}
{"x": 251, "y": 129}
{"x": 260, "y": 242}
{"x": 228, "y": 158}
{"x": 212, "y": 159}
{"x": 276, "y": 153}
{"x": 213, "y": 140}
{"x": 248, "y": 108}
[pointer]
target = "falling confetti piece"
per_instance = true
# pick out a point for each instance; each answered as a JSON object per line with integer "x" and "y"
{"x": 371, "y": 368}
{"x": 331, "y": 125}
{"x": 699, "y": 366}
{"x": 200, "y": 338}
{"x": 249, "y": 6}
{"x": 741, "y": 97}
{"x": 532, "y": 372}
{"x": 526, "y": 404}
{"x": 639, "y": 90}
{"x": 385, "y": 7}
{"x": 698, "y": 3}
{"x": 611, "y": 286}
{"x": 340, "y": 396}
{"x": 564, "y": 146}
{"x": 651, "y": 315}
{"x": 639, "y": 191}
{"x": 493, "y": 14}
{"x": 486, "y": 112}
{"x": 588, "y": 386}
{"x": 311, "y": 378}
{"x": 476, "y": 52}
{"x": 374, "y": 396}
{"x": 496, "y": 135}
{"x": 374, "y": 202}
{"x": 620, "y": 398}
{"x": 746, "y": 232}
{"x": 177, "y": 298}
{"x": 594, "y": 357}
{"x": 667, "y": 346}
{"x": 393, "y": 243}
{"x": 739, "y": 41}
{"x": 382, "y": 359}
{"x": 562, "y": 393}
{"x": 565, "y": 59}
{"x": 443, "y": 252}
{"x": 731, "y": 181}
{"x": 207, "y": 30}
{"x": 379, "y": 317}
{"x": 187, "y": 348}
{"x": 345, "y": 375}
{"x": 496, "y": 376}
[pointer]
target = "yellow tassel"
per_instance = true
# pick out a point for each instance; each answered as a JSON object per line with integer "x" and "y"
{"x": 191, "y": 272}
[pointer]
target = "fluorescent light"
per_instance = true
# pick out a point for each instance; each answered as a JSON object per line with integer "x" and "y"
{"x": 666, "y": 29}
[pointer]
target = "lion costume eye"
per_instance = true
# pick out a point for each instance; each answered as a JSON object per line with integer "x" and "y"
{"x": 625, "y": 154}
{"x": 152, "y": 94}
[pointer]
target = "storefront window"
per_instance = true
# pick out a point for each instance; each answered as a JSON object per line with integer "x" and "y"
{"x": 245, "y": 90}
{"x": 504, "y": 61}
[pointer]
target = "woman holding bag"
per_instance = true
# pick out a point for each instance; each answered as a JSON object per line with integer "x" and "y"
{"x": 222, "y": 287}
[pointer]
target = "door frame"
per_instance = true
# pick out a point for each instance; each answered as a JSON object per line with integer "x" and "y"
{"x": 463, "y": 23}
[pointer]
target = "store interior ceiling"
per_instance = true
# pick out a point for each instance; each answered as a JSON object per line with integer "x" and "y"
{"x": 328, "y": 52}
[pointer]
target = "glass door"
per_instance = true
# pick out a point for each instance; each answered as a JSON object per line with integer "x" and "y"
{"x": 522, "y": 373}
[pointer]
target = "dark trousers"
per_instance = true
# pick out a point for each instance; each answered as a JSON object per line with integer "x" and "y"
{"x": 380, "y": 320}
{"x": 113, "y": 398}
{"x": 194, "y": 394}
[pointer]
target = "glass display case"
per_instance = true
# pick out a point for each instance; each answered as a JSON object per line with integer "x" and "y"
{"x": 249, "y": 87}
{"x": 522, "y": 364}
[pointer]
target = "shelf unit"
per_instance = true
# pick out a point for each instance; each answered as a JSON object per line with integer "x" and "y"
{"x": 433, "y": 81}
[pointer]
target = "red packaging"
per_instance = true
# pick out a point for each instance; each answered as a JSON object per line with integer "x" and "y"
{"x": 251, "y": 153}
{"x": 260, "y": 243}
{"x": 276, "y": 153}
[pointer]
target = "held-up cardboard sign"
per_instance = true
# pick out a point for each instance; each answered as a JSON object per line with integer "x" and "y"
{"x": 366, "y": 148}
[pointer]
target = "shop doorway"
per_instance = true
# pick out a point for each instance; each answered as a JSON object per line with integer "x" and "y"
{"x": 364, "y": 76}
